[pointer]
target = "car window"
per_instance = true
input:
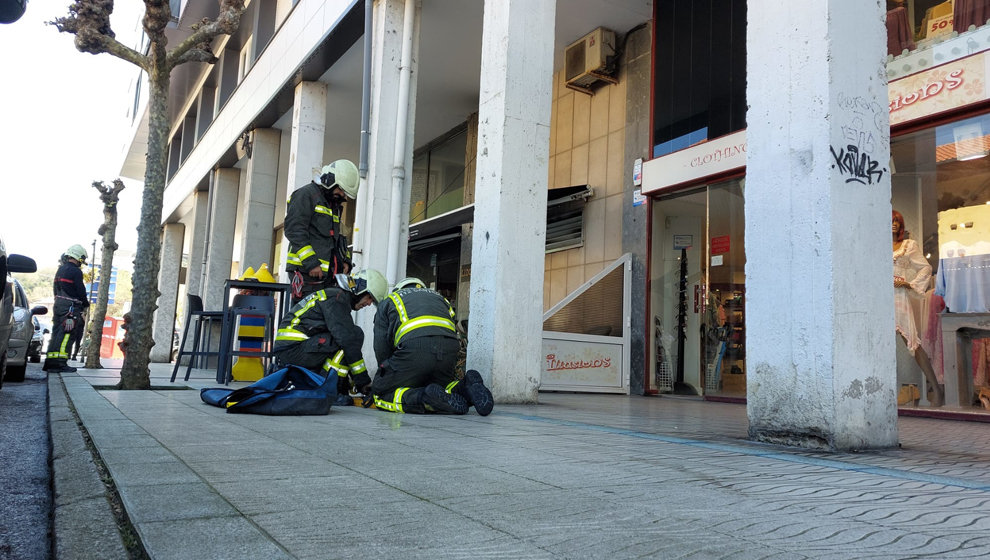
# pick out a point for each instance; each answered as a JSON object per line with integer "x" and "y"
{"x": 20, "y": 298}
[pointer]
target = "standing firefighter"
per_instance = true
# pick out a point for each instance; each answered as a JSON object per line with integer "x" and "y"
{"x": 70, "y": 301}
{"x": 318, "y": 250}
{"x": 318, "y": 333}
{"x": 416, "y": 346}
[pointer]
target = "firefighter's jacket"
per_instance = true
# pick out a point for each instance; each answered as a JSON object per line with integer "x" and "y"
{"x": 312, "y": 226}
{"x": 325, "y": 313}
{"x": 410, "y": 313}
{"x": 70, "y": 292}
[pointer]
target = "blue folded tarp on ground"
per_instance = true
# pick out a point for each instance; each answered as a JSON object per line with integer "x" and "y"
{"x": 291, "y": 391}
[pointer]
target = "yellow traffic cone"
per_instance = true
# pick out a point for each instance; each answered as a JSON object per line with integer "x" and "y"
{"x": 263, "y": 274}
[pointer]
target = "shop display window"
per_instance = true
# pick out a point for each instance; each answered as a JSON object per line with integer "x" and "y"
{"x": 438, "y": 176}
{"x": 915, "y": 24}
{"x": 941, "y": 185}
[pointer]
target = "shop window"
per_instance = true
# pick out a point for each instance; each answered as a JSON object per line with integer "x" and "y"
{"x": 915, "y": 24}
{"x": 700, "y": 72}
{"x": 941, "y": 186}
{"x": 438, "y": 176}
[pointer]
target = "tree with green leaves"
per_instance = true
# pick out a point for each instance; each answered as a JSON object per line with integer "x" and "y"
{"x": 89, "y": 21}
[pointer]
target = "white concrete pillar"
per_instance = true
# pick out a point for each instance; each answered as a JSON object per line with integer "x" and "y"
{"x": 258, "y": 208}
{"x": 168, "y": 287}
{"x": 223, "y": 215}
{"x": 375, "y": 205}
{"x": 197, "y": 245}
{"x": 819, "y": 296}
{"x": 507, "y": 251}
{"x": 309, "y": 117}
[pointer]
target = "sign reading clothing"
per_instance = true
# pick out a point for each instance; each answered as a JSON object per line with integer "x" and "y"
{"x": 703, "y": 160}
{"x": 949, "y": 86}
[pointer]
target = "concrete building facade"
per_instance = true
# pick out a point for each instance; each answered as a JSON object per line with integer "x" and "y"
{"x": 655, "y": 206}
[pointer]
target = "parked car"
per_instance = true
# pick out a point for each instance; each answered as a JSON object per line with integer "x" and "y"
{"x": 39, "y": 341}
{"x": 9, "y": 264}
{"x": 22, "y": 333}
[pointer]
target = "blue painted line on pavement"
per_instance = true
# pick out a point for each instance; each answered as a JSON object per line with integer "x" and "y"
{"x": 769, "y": 454}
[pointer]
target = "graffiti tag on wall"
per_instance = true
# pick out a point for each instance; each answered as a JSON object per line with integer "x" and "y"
{"x": 857, "y": 166}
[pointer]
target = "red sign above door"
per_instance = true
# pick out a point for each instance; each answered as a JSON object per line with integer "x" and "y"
{"x": 720, "y": 245}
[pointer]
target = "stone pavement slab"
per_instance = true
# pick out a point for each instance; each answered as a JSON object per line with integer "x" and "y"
{"x": 578, "y": 476}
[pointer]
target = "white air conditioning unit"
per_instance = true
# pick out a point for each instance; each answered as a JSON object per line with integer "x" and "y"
{"x": 585, "y": 60}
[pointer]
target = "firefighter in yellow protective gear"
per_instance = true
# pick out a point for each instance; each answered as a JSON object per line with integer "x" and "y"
{"x": 319, "y": 334}
{"x": 71, "y": 300}
{"x": 318, "y": 249}
{"x": 416, "y": 346}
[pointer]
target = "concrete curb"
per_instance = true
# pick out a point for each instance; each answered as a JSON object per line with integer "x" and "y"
{"x": 84, "y": 526}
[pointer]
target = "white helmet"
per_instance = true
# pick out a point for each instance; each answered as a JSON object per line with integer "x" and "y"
{"x": 368, "y": 281}
{"x": 408, "y": 282}
{"x": 76, "y": 252}
{"x": 342, "y": 174}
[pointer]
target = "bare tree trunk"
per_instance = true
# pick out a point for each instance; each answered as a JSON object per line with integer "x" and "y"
{"x": 134, "y": 374}
{"x": 89, "y": 21}
{"x": 109, "y": 196}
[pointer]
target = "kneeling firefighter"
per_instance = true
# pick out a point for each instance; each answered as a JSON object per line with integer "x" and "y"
{"x": 70, "y": 301}
{"x": 417, "y": 349}
{"x": 319, "y": 334}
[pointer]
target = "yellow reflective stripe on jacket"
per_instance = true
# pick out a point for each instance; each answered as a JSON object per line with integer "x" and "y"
{"x": 334, "y": 363}
{"x": 305, "y": 252}
{"x": 292, "y": 258}
{"x": 399, "y": 306}
{"x": 358, "y": 367}
{"x": 289, "y": 333}
{"x": 424, "y": 321}
{"x": 396, "y": 403}
{"x": 406, "y": 325}
{"x": 324, "y": 265}
{"x": 320, "y": 209}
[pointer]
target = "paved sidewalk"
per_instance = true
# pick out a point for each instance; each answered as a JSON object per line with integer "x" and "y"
{"x": 578, "y": 476}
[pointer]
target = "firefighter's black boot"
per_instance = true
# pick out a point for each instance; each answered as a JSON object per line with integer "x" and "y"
{"x": 435, "y": 399}
{"x": 476, "y": 393}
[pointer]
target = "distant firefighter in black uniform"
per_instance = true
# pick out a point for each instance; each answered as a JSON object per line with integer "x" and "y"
{"x": 416, "y": 346}
{"x": 70, "y": 302}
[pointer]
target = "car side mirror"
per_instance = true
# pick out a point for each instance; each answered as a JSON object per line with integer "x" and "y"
{"x": 39, "y": 310}
{"x": 20, "y": 263}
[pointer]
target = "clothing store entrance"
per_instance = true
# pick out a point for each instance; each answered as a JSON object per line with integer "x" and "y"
{"x": 697, "y": 292}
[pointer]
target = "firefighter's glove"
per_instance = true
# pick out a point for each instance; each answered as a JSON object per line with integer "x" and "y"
{"x": 368, "y": 399}
{"x": 361, "y": 382}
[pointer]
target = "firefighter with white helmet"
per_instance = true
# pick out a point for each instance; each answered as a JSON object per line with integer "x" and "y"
{"x": 319, "y": 334}
{"x": 417, "y": 349}
{"x": 70, "y": 301}
{"x": 318, "y": 248}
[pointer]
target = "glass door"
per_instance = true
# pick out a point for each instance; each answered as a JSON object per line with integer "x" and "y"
{"x": 697, "y": 281}
{"x": 724, "y": 328}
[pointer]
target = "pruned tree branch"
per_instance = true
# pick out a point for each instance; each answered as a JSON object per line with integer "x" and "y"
{"x": 89, "y": 21}
{"x": 205, "y": 31}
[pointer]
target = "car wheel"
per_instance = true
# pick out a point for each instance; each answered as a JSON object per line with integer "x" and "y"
{"x": 3, "y": 368}
{"x": 15, "y": 374}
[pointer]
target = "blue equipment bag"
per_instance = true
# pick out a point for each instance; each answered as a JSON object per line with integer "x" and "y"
{"x": 290, "y": 391}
